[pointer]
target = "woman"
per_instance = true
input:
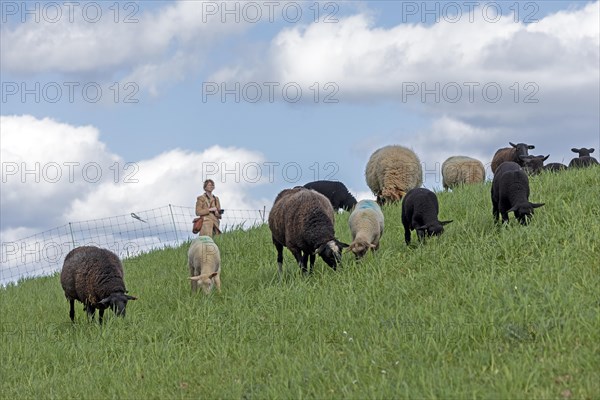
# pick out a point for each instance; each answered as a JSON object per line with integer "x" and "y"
{"x": 209, "y": 207}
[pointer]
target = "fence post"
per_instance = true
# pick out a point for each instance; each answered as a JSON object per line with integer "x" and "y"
{"x": 264, "y": 212}
{"x": 72, "y": 236}
{"x": 174, "y": 226}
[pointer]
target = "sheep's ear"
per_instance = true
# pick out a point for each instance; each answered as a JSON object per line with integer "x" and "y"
{"x": 320, "y": 249}
{"x": 574, "y": 150}
{"x": 421, "y": 228}
{"x": 105, "y": 300}
{"x": 213, "y": 275}
{"x": 591, "y": 150}
{"x": 196, "y": 278}
{"x": 536, "y": 205}
{"x": 545, "y": 158}
{"x": 514, "y": 208}
{"x": 530, "y": 147}
{"x": 446, "y": 222}
{"x": 372, "y": 246}
{"x": 130, "y": 297}
{"x": 342, "y": 244}
{"x": 512, "y": 144}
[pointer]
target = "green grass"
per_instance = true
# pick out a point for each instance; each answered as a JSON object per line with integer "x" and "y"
{"x": 484, "y": 311}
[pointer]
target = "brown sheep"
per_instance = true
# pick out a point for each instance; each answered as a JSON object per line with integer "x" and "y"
{"x": 511, "y": 154}
{"x": 94, "y": 276}
{"x": 303, "y": 221}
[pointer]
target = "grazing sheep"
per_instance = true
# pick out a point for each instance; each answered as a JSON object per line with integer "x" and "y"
{"x": 510, "y": 193}
{"x": 554, "y": 167}
{"x": 204, "y": 260}
{"x": 511, "y": 154}
{"x": 94, "y": 276}
{"x": 533, "y": 165}
{"x": 336, "y": 192}
{"x": 459, "y": 170}
{"x": 392, "y": 171}
{"x": 303, "y": 221}
{"x": 366, "y": 226}
{"x": 584, "y": 159}
{"x": 420, "y": 212}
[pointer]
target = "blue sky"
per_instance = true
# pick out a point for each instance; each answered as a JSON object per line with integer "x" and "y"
{"x": 543, "y": 56}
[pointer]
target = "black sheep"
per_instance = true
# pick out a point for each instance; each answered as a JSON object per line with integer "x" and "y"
{"x": 533, "y": 165}
{"x": 420, "y": 212}
{"x": 555, "y": 167}
{"x": 510, "y": 193}
{"x": 336, "y": 192}
{"x": 303, "y": 221}
{"x": 584, "y": 159}
{"x": 94, "y": 276}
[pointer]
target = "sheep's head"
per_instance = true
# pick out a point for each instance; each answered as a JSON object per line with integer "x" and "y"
{"x": 331, "y": 252}
{"x": 583, "y": 151}
{"x": 533, "y": 165}
{"x": 206, "y": 281}
{"x": 391, "y": 195}
{"x": 360, "y": 248}
{"x": 524, "y": 212}
{"x": 117, "y": 302}
{"x": 433, "y": 229}
{"x": 522, "y": 148}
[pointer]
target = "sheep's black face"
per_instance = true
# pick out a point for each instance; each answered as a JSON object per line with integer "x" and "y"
{"x": 524, "y": 213}
{"x": 522, "y": 148}
{"x": 117, "y": 302}
{"x": 331, "y": 252}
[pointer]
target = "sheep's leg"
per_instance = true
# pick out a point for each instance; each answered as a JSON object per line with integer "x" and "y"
{"x": 72, "y": 310}
{"x": 312, "y": 261}
{"x": 91, "y": 311}
{"x": 505, "y": 217}
{"x": 495, "y": 208}
{"x": 279, "y": 248}
{"x": 407, "y": 235}
{"x": 302, "y": 263}
{"x": 218, "y": 282}
{"x": 100, "y": 315}
{"x": 194, "y": 286}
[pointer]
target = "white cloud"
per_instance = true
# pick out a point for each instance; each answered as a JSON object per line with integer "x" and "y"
{"x": 372, "y": 63}
{"x": 162, "y": 46}
{"x": 50, "y": 176}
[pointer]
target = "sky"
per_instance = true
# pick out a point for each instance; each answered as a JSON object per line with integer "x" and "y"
{"x": 110, "y": 108}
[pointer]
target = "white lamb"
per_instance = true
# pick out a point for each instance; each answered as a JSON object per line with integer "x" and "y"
{"x": 204, "y": 260}
{"x": 366, "y": 226}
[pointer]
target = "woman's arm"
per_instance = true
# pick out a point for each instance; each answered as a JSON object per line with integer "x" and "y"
{"x": 202, "y": 206}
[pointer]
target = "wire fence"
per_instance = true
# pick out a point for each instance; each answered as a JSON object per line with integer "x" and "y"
{"x": 126, "y": 235}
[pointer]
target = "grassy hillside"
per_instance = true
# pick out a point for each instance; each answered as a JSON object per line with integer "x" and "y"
{"x": 484, "y": 311}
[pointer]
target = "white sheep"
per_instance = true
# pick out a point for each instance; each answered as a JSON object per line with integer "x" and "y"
{"x": 392, "y": 171}
{"x": 204, "y": 260}
{"x": 459, "y": 170}
{"x": 366, "y": 226}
